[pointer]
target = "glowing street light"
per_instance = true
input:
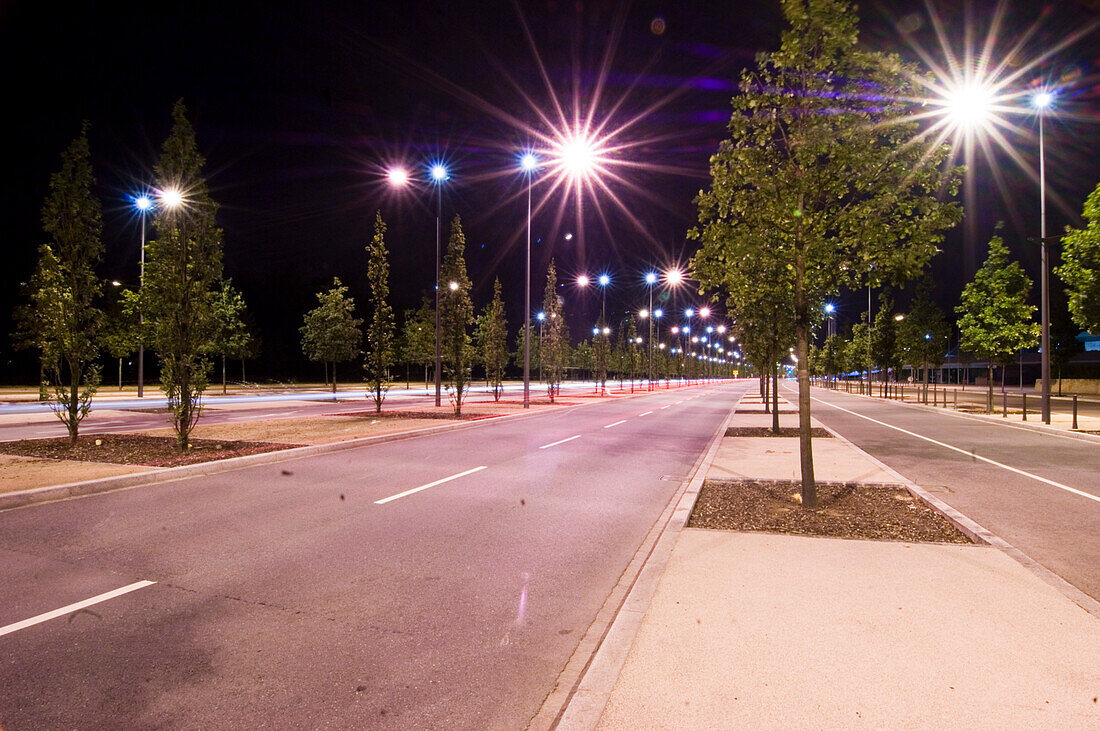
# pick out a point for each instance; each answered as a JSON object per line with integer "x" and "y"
{"x": 398, "y": 177}
{"x": 674, "y": 277}
{"x": 603, "y": 280}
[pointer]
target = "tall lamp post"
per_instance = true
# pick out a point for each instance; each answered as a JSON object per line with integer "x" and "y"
{"x": 603, "y": 280}
{"x": 143, "y": 203}
{"x": 439, "y": 175}
{"x": 528, "y": 163}
{"x": 1042, "y": 102}
{"x": 650, "y": 280}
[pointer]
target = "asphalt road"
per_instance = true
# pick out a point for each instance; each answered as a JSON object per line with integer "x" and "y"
{"x": 322, "y": 593}
{"x": 35, "y": 421}
{"x": 1038, "y": 491}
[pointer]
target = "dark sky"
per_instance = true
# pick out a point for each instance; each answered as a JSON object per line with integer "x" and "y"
{"x": 299, "y": 107}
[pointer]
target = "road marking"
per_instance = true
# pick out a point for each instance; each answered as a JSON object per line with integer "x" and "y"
{"x": 608, "y": 426}
{"x": 560, "y": 441}
{"x": 430, "y": 484}
{"x": 646, "y": 413}
{"x": 666, "y": 406}
{"x": 69, "y": 609}
{"x": 1003, "y": 466}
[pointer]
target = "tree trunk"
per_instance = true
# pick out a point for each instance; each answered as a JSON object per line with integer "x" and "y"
{"x": 73, "y": 406}
{"x": 989, "y": 395}
{"x": 243, "y": 379}
{"x": 333, "y": 380}
{"x": 325, "y": 362}
{"x": 223, "y": 374}
{"x": 120, "y": 374}
{"x": 775, "y": 398}
{"x": 805, "y": 445}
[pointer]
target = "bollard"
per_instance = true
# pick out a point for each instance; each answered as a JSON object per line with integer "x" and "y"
{"x": 1024, "y": 396}
{"x": 1074, "y": 427}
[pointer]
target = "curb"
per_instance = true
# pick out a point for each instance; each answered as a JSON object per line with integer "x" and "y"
{"x": 982, "y": 535}
{"x": 988, "y": 418}
{"x": 52, "y": 493}
{"x": 586, "y": 700}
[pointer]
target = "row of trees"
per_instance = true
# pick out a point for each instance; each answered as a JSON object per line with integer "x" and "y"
{"x": 332, "y": 333}
{"x": 184, "y": 311}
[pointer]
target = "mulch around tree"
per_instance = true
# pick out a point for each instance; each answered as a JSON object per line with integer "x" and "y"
{"x": 844, "y": 511}
{"x": 758, "y": 411}
{"x": 450, "y": 414}
{"x": 766, "y": 431}
{"x": 137, "y": 449}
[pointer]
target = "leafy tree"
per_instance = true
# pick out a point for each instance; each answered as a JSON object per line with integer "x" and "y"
{"x": 331, "y": 332}
{"x": 584, "y": 357}
{"x": 554, "y": 343}
{"x": 62, "y": 321}
{"x": 995, "y": 319}
{"x": 418, "y": 336}
{"x": 1064, "y": 345}
{"x": 826, "y": 173}
{"x": 456, "y": 314}
{"x": 831, "y": 359}
{"x": 884, "y": 337}
{"x": 631, "y": 356}
{"x": 182, "y": 270}
{"x": 121, "y": 331}
{"x": 231, "y": 337}
{"x": 855, "y": 354}
{"x": 380, "y": 332}
{"x": 923, "y": 335}
{"x": 1080, "y": 268}
{"x": 492, "y": 342}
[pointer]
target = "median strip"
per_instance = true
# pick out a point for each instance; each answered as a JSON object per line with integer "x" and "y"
{"x": 608, "y": 426}
{"x": 69, "y": 609}
{"x": 430, "y": 484}
{"x": 560, "y": 441}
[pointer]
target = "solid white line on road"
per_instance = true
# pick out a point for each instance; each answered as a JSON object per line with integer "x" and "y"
{"x": 1003, "y": 466}
{"x": 430, "y": 484}
{"x": 608, "y": 426}
{"x": 69, "y": 609}
{"x": 560, "y": 441}
{"x": 646, "y": 413}
{"x": 666, "y": 406}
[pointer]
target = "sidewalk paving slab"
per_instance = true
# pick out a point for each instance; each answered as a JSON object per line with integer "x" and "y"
{"x": 777, "y": 458}
{"x": 752, "y": 630}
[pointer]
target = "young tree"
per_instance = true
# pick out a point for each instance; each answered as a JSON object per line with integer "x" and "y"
{"x": 230, "y": 335}
{"x": 995, "y": 319}
{"x": 1080, "y": 268}
{"x": 121, "y": 331}
{"x": 331, "y": 333}
{"x": 380, "y": 332}
{"x": 554, "y": 342}
{"x": 456, "y": 314}
{"x": 884, "y": 337}
{"x": 1064, "y": 345}
{"x": 492, "y": 342}
{"x": 62, "y": 320}
{"x": 182, "y": 270}
{"x": 826, "y": 173}
{"x": 923, "y": 335}
{"x": 418, "y": 337}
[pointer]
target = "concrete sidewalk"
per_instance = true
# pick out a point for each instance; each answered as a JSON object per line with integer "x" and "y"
{"x": 749, "y": 630}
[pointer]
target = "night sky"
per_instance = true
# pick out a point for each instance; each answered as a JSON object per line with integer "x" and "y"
{"x": 300, "y": 107}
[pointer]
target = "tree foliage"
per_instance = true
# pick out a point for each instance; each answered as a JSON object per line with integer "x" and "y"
{"x": 1080, "y": 268}
{"x": 456, "y": 315}
{"x": 924, "y": 335}
{"x": 824, "y": 173}
{"x": 331, "y": 333}
{"x": 995, "y": 320}
{"x": 120, "y": 334}
{"x": 418, "y": 336}
{"x": 492, "y": 341}
{"x": 231, "y": 337}
{"x": 62, "y": 321}
{"x": 182, "y": 271}
{"x": 380, "y": 331}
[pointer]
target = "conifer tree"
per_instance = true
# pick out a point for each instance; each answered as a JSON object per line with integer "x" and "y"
{"x": 380, "y": 332}
{"x": 62, "y": 321}
{"x": 554, "y": 343}
{"x": 456, "y": 314}
{"x": 492, "y": 341}
{"x": 183, "y": 270}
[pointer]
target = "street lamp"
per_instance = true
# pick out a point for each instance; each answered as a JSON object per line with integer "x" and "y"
{"x": 1042, "y": 101}
{"x": 143, "y": 203}
{"x": 541, "y": 317}
{"x": 604, "y": 280}
{"x": 439, "y": 175}
{"x": 650, "y": 280}
{"x": 528, "y": 162}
